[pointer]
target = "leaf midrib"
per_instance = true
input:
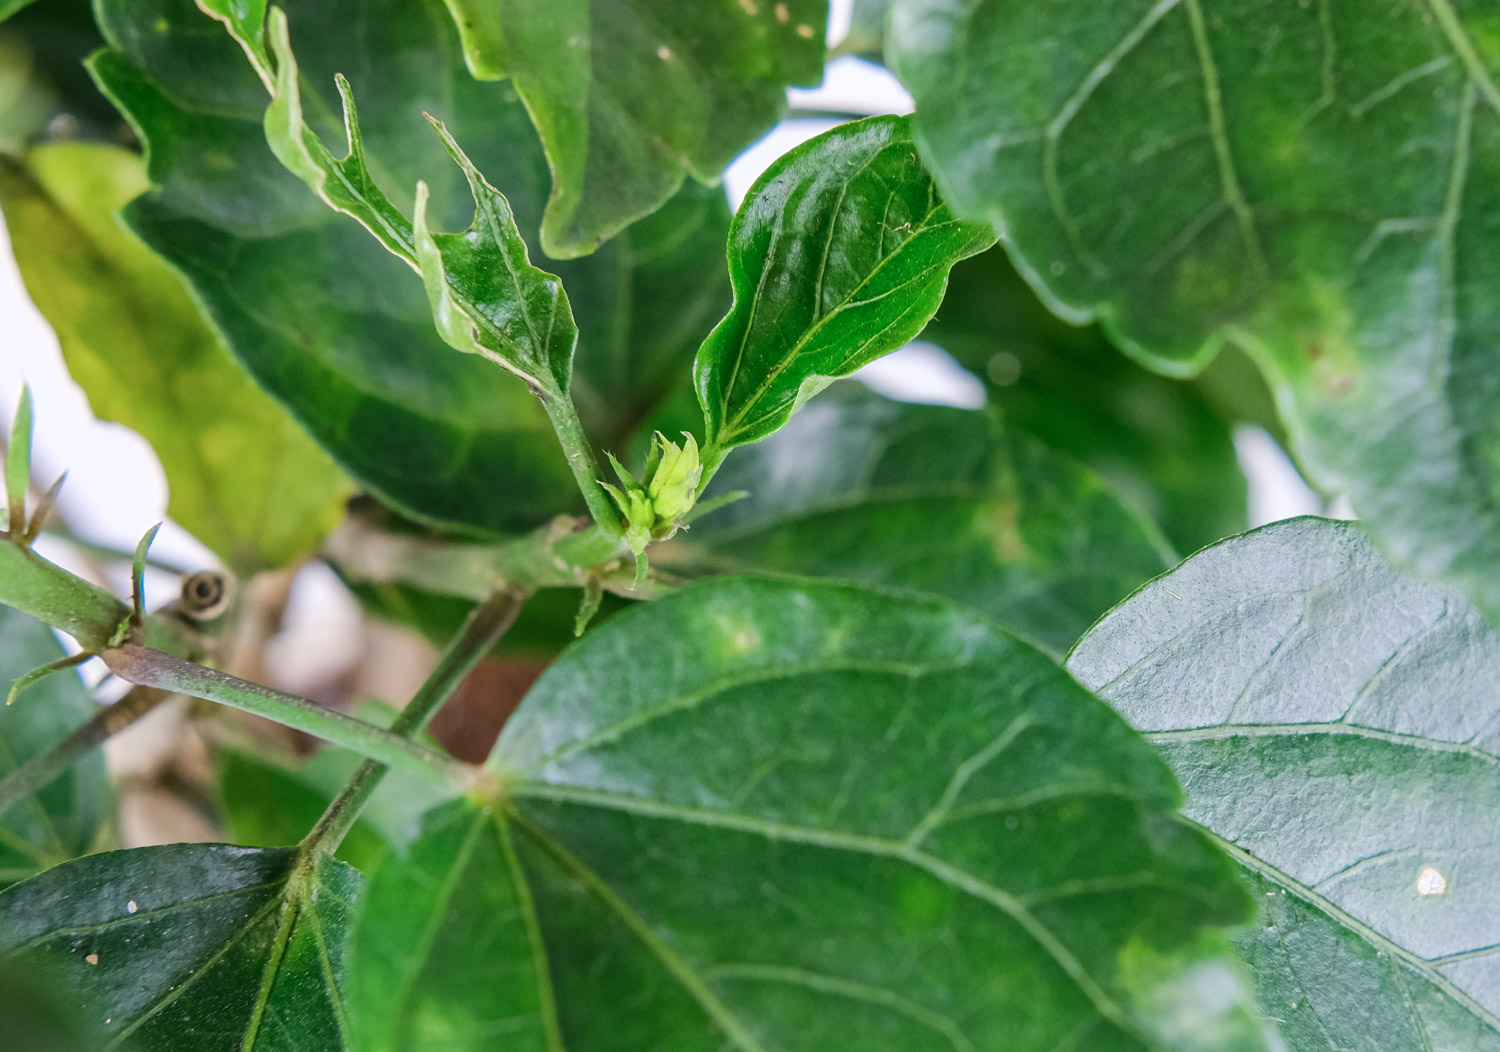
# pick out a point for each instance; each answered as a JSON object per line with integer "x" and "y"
{"x": 1379, "y": 942}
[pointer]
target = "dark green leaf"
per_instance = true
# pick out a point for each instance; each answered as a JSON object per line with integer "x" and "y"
{"x": 776, "y": 816}
{"x": 643, "y": 303}
{"x": 62, "y": 819}
{"x": 243, "y": 477}
{"x": 858, "y": 486}
{"x": 38, "y": 1017}
{"x": 191, "y": 947}
{"x": 266, "y": 804}
{"x": 838, "y": 255}
{"x": 1335, "y": 722}
{"x": 44, "y": 89}
{"x": 323, "y": 317}
{"x": 1312, "y": 182}
{"x": 1160, "y": 442}
{"x": 629, "y": 95}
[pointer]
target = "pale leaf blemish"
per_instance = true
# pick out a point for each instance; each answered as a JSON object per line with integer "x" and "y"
{"x": 782, "y": 14}
{"x": 805, "y": 31}
{"x": 664, "y": 53}
{"x": 1431, "y": 882}
{"x": 748, "y": 6}
{"x": 92, "y": 958}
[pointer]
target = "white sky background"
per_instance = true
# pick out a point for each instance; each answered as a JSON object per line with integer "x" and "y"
{"x": 116, "y": 489}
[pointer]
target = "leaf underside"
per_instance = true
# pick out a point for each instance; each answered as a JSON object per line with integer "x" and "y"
{"x": 1334, "y": 721}
{"x": 1311, "y": 182}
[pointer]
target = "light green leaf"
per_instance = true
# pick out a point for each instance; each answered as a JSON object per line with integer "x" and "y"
{"x": 1160, "y": 442}
{"x": 1312, "y": 183}
{"x": 839, "y": 254}
{"x": 191, "y": 947}
{"x": 61, "y": 820}
{"x": 325, "y": 319}
{"x": 942, "y": 500}
{"x": 630, "y": 95}
{"x": 776, "y": 816}
{"x": 1335, "y": 723}
{"x": 242, "y": 476}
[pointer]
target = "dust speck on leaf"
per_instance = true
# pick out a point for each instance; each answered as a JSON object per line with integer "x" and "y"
{"x": 1431, "y": 882}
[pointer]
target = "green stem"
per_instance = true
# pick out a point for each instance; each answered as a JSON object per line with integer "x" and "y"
{"x": 146, "y": 667}
{"x": 55, "y": 597}
{"x": 486, "y": 623}
{"x": 39, "y": 771}
{"x": 580, "y": 455}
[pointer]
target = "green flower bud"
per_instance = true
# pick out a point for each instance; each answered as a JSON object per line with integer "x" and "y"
{"x": 673, "y": 485}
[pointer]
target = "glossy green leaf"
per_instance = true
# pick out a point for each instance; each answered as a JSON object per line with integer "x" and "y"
{"x": 325, "y": 319}
{"x": 62, "y": 819}
{"x": 937, "y": 499}
{"x": 1160, "y": 442}
{"x": 774, "y": 816}
{"x": 1309, "y": 181}
{"x": 242, "y": 476}
{"x": 839, "y": 254}
{"x": 191, "y": 947}
{"x": 1335, "y": 722}
{"x": 631, "y": 95}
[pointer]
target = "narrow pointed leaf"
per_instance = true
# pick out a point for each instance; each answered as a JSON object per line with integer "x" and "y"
{"x": 486, "y": 297}
{"x": 323, "y": 317}
{"x": 1334, "y": 721}
{"x": 942, "y": 500}
{"x": 18, "y": 464}
{"x": 1310, "y": 182}
{"x": 61, "y": 820}
{"x": 838, "y": 255}
{"x": 631, "y": 95}
{"x": 191, "y": 947}
{"x": 774, "y": 816}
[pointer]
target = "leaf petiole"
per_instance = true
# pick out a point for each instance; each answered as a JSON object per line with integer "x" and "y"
{"x": 484, "y": 627}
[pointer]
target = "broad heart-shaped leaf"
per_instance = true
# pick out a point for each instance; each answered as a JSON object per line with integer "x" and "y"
{"x": 1335, "y": 722}
{"x": 191, "y": 947}
{"x": 1310, "y": 182}
{"x": 324, "y": 318}
{"x": 838, "y": 255}
{"x": 242, "y": 476}
{"x": 1159, "y": 441}
{"x": 60, "y": 820}
{"x": 944, "y": 500}
{"x": 629, "y": 95}
{"x": 770, "y": 815}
